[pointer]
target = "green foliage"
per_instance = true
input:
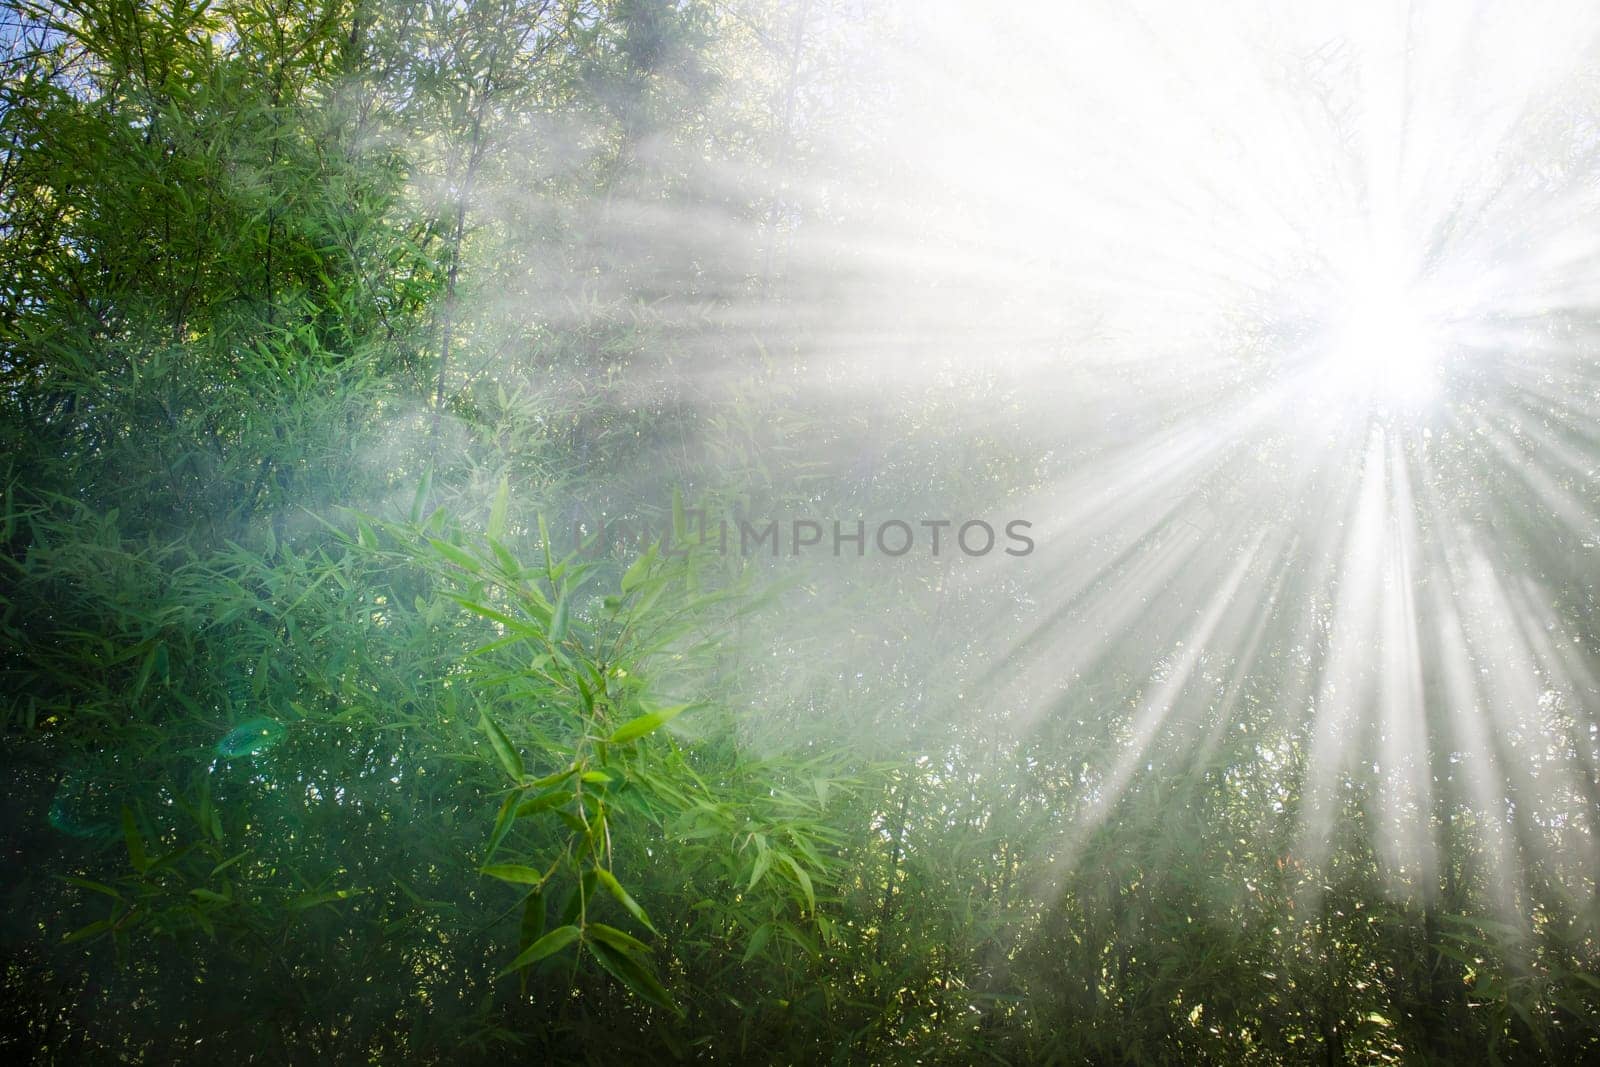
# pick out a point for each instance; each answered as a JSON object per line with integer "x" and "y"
{"x": 321, "y": 325}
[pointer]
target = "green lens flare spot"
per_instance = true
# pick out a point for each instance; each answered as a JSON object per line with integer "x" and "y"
{"x": 250, "y": 738}
{"x": 83, "y": 808}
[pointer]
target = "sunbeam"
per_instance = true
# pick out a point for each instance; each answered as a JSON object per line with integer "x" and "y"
{"x": 800, "y": 531}
{"x": 1294, "y": 290}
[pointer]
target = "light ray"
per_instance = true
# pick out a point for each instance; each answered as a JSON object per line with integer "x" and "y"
{"x": 1289, "y": 302}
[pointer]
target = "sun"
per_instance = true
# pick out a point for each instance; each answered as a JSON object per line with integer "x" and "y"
{"x": 1384, "y": 346}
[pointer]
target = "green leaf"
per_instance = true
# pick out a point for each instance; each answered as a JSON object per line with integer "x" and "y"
{"x": 763, "y": 861}
{"x": 513, "y": 872}
{"x": 609, "y": 880}
{"x": 548, "y": 945}
{"x": 503, "y": 556}
{"x": 758, "y": 941}
{"x": 503, "y": 821}
{"x": 424, "y": 487}
{"x": 633, "y": 974}
{"x": 510, "y": 622}
{"x": 544, "y": 802}
{"x": 508, "y": 755}
{"x": 497, "y": 511}
{"x": 544, "y": 539}
{"x": 98, "y": 887}
{"x": 130, "y": 834}
{"x": 94, "y": 929}
{"x": 225, "y": 864}
{"x": 552, "y": 779}
{"x": 637, "y": 571}
{"x": 803, "y": 878}
{"x": 644, "y": 724}
{"x": 1456, "y": 954}
{"x": 558, "y": 617}
{"x": 456, "y": 555}
{"x": 617, "y": 938}
{"x": 146, "y": 670}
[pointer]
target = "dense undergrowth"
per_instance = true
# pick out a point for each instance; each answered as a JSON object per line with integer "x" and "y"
{"x": 323, "y": 326}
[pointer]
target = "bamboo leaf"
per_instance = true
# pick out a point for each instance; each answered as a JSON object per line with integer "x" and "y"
{"x": 758, "y": 941}
{"x": 509, "y": 758}
{"x": 632, "y": 973}
{"x": 135, "y": 843}
{"x": 544, "y": 802}
{"x": 551, "y": 779}
{"x": 503, "y": 821}
{"x": 497, "y": 511}
{"x": 94, "y": 929}
{"x": 644, "y": 724}
{"x": 457, "y": 555}
{"x": 424, "y": 488}
{"x": 558, "y": 617}
{"x": 515, "y": 625}
{"x": 637, "y": 571}
{"x": 617, "y": 939}
{"x": 98, "y": 887}
{"x": 803, "y": 878}
{"x": 609, "y": 880}
{"x": 515, "y": 873}
{"x": 763, "y": 862}
{"x": 548, "y": 945}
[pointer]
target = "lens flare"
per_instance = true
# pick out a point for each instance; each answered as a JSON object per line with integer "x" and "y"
{"x": 252, "y": 737}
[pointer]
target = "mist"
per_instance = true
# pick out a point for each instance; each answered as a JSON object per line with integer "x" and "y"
{"x": 800, "y": 531}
